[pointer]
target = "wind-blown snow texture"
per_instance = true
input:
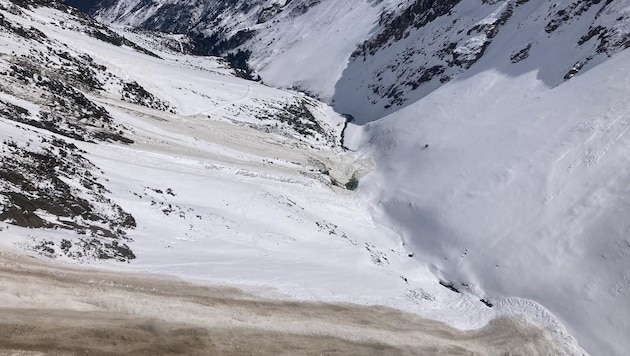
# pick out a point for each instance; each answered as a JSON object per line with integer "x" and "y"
{"x": 498, "y": 131}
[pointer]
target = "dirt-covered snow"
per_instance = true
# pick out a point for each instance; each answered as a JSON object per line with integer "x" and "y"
{"x": 53, "y": 309}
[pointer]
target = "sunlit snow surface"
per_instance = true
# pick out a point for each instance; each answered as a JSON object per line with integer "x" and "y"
{"x": 523, "y": 191}
{"x": 520, "y": 195}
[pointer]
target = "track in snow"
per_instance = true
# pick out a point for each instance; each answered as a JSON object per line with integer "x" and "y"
{"x": 240, "y": 100}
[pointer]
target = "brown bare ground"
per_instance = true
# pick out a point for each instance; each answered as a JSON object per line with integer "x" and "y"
{"x": 50, "y": 309}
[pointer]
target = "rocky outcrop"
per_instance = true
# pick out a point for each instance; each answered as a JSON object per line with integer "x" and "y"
{"x": 430, "y": 43}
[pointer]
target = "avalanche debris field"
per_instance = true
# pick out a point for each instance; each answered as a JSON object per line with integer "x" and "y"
{"x": 62, "y": 310}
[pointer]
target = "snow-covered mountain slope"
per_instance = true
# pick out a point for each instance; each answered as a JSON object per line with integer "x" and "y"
{"x": 370, "y": 58}
{"x": 425, "y": 46}
{"x": 135, "y": 159}
{"x": 300, "y": 43}
{"x": 522, "y": 190}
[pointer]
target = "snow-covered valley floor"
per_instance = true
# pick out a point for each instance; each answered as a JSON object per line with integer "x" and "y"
{"x": 225, "y": 190}
{"x": 237, "y": 207}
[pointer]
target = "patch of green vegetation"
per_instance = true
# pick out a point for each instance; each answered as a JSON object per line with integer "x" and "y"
{"x": 353, "y": 183}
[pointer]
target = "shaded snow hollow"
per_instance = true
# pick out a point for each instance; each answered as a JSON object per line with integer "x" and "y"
{"x": 524, "y": 191}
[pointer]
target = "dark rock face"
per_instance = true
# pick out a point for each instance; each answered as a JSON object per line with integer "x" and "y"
{"x": 213, "y": 27}
{"x": 202, "y": 21}
{"x": 268, "y": 13}
{"x": 610, "y": 39}
{"x": 397, "y": 27}
{"x": 89, "y": 6}
{"x": 135, "y": 93}
{"x": 521, "y": 55}
{"x": 564, "y": 15}
{"x": 298, "y": 116}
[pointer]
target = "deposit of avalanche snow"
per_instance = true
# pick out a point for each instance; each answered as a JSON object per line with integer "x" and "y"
{"x": 459, "y": 160}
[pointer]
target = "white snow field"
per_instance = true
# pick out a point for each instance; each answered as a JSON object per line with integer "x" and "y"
{"x": 523, "y": 191}
{"x": 518, "y": 200}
